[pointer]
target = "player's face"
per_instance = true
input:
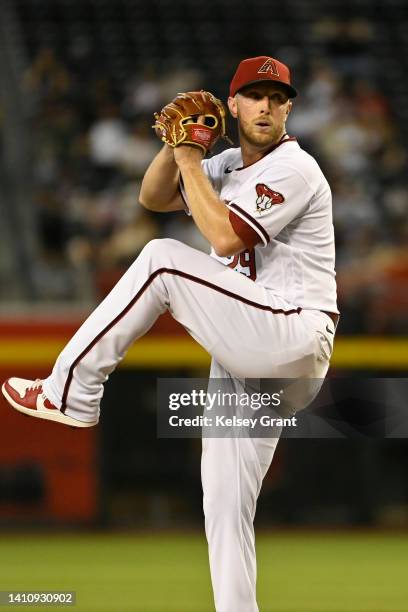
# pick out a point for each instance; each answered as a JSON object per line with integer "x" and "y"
{"x": 261, "y": 110}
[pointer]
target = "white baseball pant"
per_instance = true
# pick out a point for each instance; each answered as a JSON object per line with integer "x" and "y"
{"x": 250, "y": 333}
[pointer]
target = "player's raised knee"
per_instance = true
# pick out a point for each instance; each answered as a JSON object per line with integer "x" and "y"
{"x": 164, "y": 250}
{"x": 156, "y": 248}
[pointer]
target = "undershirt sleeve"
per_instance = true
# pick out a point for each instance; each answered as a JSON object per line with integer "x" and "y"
{"x": 244, "y": 231}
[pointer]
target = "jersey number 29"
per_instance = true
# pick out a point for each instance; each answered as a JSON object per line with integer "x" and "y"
{"x": 244, "y": 263}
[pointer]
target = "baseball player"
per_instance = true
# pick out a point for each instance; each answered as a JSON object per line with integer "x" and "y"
{"x": 263, "y": 303}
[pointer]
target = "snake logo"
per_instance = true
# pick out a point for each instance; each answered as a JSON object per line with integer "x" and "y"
{"x": 267, "y": 197}
{"x": 269, "y": 66}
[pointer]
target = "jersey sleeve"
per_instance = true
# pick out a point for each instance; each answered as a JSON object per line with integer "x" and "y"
{"x": 212, "y": 169}
{"x": 270, "y": 202}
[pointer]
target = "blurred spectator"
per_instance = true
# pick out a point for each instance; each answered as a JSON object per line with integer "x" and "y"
{"x": 349, "y": 140}
{"x": 47, "y": 77}
{"x": 377, "y": 282}
{"x": 347, "y": 43}
{"x": 107, "y": 137}
{"x": 178, "y": 78}
{"x": 354, "y": 214}
{"x": 139, "y": 149}
{"x": 143, "y": 93}
{"x": 318, "y": 105}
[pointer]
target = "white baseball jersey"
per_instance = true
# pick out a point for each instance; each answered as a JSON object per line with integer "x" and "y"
{"x": 281, "y": 208}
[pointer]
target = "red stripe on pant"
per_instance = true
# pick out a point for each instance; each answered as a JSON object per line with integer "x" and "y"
{"x": 141, "y": 291}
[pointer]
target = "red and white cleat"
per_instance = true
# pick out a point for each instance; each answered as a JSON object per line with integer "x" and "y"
{"x": 27, "y": 397}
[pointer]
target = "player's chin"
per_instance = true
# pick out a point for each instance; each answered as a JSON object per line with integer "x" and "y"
{"x": 262, "y": 138}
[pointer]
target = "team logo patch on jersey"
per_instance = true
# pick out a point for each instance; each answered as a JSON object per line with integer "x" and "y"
{"x": 267, "y": 197}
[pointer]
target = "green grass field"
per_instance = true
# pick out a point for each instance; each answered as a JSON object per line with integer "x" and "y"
{"x": 306, "y": 572}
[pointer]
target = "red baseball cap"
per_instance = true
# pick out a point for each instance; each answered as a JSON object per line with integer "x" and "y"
{"x": 261, "y": 68}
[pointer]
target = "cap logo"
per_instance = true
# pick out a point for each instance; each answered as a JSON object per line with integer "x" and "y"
{"x": 269, "y": 66}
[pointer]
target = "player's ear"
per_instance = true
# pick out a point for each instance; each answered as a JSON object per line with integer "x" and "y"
{"x": 232, "y": 105}
{"x": 289, "y": 107}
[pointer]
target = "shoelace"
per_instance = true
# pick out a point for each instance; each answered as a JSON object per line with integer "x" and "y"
{"x": 37, "y": 383}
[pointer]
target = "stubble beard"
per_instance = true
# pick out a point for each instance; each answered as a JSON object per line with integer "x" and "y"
{"x": 259, "y": 140}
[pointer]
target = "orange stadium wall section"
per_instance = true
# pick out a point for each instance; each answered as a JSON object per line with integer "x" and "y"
{"x": 47, "y": 473}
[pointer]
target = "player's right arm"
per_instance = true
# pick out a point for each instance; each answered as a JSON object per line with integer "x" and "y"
{"x": 160, "y": 186}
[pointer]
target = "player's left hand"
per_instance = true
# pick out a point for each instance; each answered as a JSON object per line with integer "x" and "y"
{"x": 177, "y": 124}
{"x": 187, "y": 153}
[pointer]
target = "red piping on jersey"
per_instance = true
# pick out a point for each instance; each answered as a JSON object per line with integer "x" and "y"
{"x": 136, "y": 298}
{"x": 261, "y": 229}
{"x": 281, "y": 142}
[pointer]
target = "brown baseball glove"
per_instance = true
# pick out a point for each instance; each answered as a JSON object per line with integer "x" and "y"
{"x": 177, "y": 122}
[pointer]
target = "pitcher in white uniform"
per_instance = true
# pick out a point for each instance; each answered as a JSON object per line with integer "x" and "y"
{"x": 262, "y": 303}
